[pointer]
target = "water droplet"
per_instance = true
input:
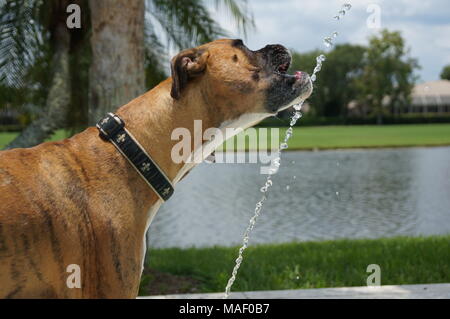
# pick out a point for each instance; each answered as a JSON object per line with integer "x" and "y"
{"x": 289, "y": 133}
{"x": 328, "y": 42}
{"x": 337, "y": 193}
{"x": 293, "y": 162}
{"x": 296, "y": 115}
{"x": 347, "y": 6}
{"x": 284, "y": 146}
{"x": 313, "y": 78}
{"x": 294, "y": 177}
{"x": 275, "y": 163}
{"x": 298, "y": 277}
{"x": 320, "y": 59}
{"x": 335, "y": 34}
{"x": 298, "y": 107}
{"x": 288, "y": 187}
{"x": 337, "y": 17}
{"x": 342, "y": 12}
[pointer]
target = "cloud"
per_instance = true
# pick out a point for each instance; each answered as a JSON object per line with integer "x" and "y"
{"x": 302, "y": 25}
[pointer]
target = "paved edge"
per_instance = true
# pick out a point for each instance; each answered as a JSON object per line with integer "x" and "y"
{"x": 427, "y": 291}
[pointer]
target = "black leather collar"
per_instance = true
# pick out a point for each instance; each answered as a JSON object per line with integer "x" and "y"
{"x": 112, "y": 128}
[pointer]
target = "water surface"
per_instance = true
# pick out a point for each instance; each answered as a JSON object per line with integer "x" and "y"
{"x": 316, "y": 196}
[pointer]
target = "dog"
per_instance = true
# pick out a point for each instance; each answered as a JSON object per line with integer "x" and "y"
{"x": 80, "y": 202}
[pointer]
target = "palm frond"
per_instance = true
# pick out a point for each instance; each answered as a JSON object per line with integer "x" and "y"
{"x": 240, "y": 14}
{"x": 155, "y": 69}
{"x": 20, "y": 40}
{"x": 186, "y": 23}
{"x": 178, "y": 24}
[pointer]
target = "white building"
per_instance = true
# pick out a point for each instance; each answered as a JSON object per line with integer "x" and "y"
{"x": 433, "y": 97}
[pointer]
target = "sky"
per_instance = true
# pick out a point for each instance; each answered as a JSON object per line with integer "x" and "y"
{"x": 302, "y": 25}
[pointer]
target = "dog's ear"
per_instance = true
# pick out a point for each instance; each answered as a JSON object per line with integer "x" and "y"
{"x": 185, "y": 66}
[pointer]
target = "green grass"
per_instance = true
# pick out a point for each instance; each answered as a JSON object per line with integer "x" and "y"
{"x": 331, "y": 137}
{"x": 6, "y": 137}
{"x": 340, "y": 263}
{"x": 371, "y": 136}
{"x": 366, "y": 136}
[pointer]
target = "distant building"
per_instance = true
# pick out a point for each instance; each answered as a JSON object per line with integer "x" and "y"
{"x": 428, "y": 97}
{"x": 431, "y": 97}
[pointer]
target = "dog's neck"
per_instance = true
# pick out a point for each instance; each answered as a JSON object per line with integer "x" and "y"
{"x": 152, "y": 118}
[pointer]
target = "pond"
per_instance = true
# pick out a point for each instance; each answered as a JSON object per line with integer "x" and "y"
{"x": 316, "y": 196}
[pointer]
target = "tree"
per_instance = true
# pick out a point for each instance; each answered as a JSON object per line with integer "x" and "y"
{"x": 58, "y": 97}
{"x": 183, "y": 23}
{"x": 388, "y": 74}
{"x": 120, "y": 30}
{"x": 344, "y": 66}
{"x": 36, "y": 48}
{"x": 117, "y": 43}
{"x": 335, "y": 86}
{"x": 445, "y": 74}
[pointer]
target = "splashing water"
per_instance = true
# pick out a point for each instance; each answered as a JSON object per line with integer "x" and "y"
{"x": 276, "y": 162}
{"x": 345, "y": 7}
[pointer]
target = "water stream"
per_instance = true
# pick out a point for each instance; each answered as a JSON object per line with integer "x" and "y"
{"x": 276, "y": 162}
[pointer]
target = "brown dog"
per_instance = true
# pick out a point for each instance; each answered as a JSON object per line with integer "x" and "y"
{"x": 80, "y": 202}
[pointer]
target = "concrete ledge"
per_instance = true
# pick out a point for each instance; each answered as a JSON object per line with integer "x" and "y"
{"x": 429, "y": 291}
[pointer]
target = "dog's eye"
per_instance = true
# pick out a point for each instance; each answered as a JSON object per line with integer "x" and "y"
{"x": 254, "y": 69}
{"x": 238, "y": 43}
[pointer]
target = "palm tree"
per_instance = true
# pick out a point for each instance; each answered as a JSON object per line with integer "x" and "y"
{"x": 47, "y": 67}
{"x": 29, "y": 31}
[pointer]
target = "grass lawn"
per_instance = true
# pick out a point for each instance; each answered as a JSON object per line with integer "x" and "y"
{"x": 366, "y": 136}
{"x": 6, "y": 137}
{"x": 330, "y": 137}
{"x": 403, "y": 260}
{"x": 370, "y": 136}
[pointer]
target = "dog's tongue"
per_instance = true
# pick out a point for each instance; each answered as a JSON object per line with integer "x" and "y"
{"x": 298, "y": 75}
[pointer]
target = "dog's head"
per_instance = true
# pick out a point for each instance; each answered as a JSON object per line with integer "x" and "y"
{"x": 236, "y": 81}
